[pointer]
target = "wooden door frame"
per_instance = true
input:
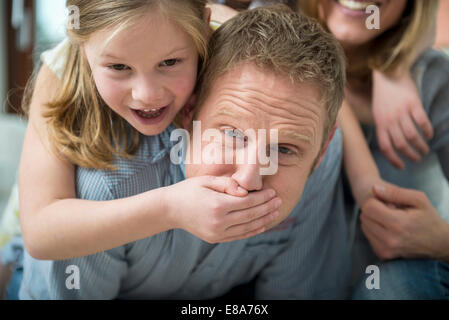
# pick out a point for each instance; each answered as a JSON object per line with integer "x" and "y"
{"x": 19, "y": 63}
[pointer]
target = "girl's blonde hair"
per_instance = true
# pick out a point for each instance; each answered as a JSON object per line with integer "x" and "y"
{"x": 397, "y": 46}
{"x": 81, "y": 127}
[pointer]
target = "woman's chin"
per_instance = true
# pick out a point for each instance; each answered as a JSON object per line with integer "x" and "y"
{"x": 353, "y": 39}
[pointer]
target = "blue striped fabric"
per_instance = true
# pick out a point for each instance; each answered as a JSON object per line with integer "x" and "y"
{"x": 306, "y": 256}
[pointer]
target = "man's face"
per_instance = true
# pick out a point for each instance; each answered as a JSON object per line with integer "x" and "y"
{"x": 249, "y": 98}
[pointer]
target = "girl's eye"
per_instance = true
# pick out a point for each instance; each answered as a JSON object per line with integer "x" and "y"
{"x": 119, "y": 67}
{"x": 169, "y": 62}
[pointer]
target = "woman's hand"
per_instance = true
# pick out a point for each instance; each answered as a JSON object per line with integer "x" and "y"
{"x": 216, "y": 209}
{"x": 397, "y": 110}
{"x": 402, "y": 223}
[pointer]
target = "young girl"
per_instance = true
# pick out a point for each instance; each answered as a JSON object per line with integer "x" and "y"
{"x": 126, "y": 73}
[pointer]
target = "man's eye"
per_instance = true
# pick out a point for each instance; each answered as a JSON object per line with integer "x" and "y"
{"x": 234, "y": 133}
{"x": 169, "y": 62}
{"x": 282, "y": 150}
{"x": 119, "y": 67}
{"x": 285, "y": 150}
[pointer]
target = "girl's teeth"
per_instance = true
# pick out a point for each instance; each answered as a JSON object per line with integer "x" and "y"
{"x": 150, "y": 113}
{"x": 355, "y": 5}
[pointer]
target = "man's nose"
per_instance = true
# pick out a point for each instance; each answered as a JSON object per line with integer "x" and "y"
{"x": 148, "y": 91}
{"x": 247, "y": 168}
{"x": 248, "y": 176}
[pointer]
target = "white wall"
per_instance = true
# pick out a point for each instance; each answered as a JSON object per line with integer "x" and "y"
{"x": 3, "y": 53}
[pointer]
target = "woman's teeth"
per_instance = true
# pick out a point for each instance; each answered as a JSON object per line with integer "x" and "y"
{"x": 150, "y": 113}
{"x": 355, "y": 5}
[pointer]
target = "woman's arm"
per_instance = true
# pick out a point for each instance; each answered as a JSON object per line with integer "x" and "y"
{"x": 398, "y": 110}
{"x": 399, "y": 223}
{"x": 402, "y": 223}
{"x": 55, "y": 225}
{"x": 360, "y": 168}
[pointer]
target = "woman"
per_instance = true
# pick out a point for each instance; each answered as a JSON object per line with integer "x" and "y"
{"x": 400, "y": 223}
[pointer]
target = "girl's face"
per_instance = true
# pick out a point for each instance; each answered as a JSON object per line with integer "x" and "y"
{"x": 146, "y": 73}
{"x": 346, "y": 19}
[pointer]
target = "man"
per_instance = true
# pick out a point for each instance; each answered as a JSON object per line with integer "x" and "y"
{"x": 269, "y": 69}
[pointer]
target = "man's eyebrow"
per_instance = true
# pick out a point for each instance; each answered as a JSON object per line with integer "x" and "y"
{"x": 295, "y": 135}
{"x": 228, "y": 113}
{"x": 287, "y": 133}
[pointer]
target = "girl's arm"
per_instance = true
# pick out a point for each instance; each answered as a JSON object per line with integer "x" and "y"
{"x": 360, "y": 167}
{"x": 55, "y": 225}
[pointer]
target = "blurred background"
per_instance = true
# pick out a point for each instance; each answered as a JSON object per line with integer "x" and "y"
{"x": 29, "y": 27}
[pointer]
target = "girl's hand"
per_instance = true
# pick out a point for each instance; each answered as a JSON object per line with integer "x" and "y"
{"x": 216, "y": 209}
{"x": 397, "y": 109}
{"x": 402, "y": 223}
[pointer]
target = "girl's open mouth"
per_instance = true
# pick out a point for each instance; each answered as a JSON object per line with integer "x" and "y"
{"x": 150, "y": 116}
{"x": 150, "y": 113}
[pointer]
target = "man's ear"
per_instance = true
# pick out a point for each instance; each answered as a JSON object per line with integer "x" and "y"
{"x": 187, "y": 112}
{"x": 326, "y": 145}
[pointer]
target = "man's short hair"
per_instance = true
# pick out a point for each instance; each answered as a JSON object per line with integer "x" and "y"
{"x": 278, "y": 40}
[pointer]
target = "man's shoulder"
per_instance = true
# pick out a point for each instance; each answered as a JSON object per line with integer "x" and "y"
{"x": 431, "y": 59}
{"x": 431, "y": 73}
{"x": 330, "y": 166}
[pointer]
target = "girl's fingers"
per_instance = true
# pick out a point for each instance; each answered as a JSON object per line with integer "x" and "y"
{"x": 245, "y": 236}
{"x": 224, "y": 185}
{"x": 251, "y": 200}
{"x": 412, "y": 135}
{"x": 252, "y": 226}
{"x": 248, "y": 215}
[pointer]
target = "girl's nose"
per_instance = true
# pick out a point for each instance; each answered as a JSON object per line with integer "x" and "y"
{"x": 148, "y": 92}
